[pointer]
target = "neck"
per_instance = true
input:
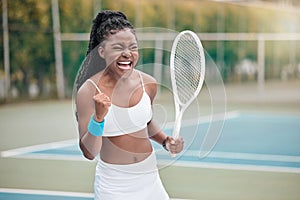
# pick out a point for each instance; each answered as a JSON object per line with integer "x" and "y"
{"x": 111, "y": 79}
{"x": 117, "y": 77}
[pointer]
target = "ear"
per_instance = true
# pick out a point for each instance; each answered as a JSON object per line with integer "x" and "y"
{"x": 101, "y": 52}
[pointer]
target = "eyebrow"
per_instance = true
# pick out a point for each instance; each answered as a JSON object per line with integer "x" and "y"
{"x": 122, "y": 44}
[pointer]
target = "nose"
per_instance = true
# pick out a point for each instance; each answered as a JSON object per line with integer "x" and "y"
{"x": 126, "y": 53}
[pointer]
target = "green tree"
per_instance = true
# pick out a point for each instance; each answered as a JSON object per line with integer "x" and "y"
{"x": 31, "y": 43}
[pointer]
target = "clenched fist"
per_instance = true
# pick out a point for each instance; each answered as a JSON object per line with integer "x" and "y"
{"x": 102, "y": 104}
{"x": 175, "y": 146}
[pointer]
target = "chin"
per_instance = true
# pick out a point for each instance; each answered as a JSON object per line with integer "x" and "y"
{"x": 126, "y": 72}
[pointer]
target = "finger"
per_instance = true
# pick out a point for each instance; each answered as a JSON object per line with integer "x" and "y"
{"x": 179, "y": 141}
{"x": 176, "y": 147}
{"x": 171, "y": 140}
{"x": 174, "y": 151}
{"x": 173, "y": 148}
{"x": 101, "y": 97}
{"x": 107, "y": 104}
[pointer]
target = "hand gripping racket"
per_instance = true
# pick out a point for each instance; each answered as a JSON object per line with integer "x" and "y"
{"x": 187, "y": 63}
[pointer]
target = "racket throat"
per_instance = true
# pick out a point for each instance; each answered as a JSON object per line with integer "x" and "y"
{"x": 177, "y": 125}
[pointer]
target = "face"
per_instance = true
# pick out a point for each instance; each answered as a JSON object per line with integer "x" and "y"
{"x": 120, "y": 51}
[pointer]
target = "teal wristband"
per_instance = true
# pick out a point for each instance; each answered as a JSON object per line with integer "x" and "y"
{"x": 95, "y": 128}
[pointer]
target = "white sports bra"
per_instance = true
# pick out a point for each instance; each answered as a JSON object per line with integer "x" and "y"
{"x": 121, "y": 121}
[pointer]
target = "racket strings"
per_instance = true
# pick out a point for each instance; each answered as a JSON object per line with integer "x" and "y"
{"x": 187, "y": 66}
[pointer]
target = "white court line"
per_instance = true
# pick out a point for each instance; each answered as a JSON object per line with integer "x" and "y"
{"x": 241, "y": 156}
{"x": 39, "y": 147}
{"x": 230, "y": 166}
{"x": 213, "y": 154}
{"x": 54, "y": 157}
{"x": 233, "y": 166}
{"x": 46, "y": 192}
{"x": 52, "y": 193}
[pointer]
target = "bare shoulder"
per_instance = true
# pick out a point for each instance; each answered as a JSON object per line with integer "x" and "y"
{"x": 86, "y": 91}
{"x": 84, "y": 101}
{"x": 87, "y": 88}
{"x": 148, "y": 79}
{"x": 150, "y": 85}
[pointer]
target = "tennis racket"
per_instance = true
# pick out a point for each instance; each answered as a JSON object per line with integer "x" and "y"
{"x": 187, "y": 63}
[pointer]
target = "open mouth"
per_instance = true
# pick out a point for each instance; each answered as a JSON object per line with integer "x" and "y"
{"x": 124, "y": 64}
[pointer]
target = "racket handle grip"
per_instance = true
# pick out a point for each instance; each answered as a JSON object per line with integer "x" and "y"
{"x": 173, "y": 155}
{"x": 176, "y": 129}
{"x": 177, "y": 126}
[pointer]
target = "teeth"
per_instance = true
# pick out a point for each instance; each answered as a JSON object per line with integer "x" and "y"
{"x": 125, "y": 63}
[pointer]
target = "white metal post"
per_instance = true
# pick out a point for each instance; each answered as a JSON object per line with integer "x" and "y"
{"x": 261, "y": 66}
{"x": 6, "y": 47}
{"x": 58, "y": 51}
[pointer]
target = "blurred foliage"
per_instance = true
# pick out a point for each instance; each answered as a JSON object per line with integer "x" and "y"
{"x": 31, "y": 44}
{"x": 31, "y": 34}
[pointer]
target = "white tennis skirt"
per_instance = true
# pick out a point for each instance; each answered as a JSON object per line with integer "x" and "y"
{"x": 138, "y": 181}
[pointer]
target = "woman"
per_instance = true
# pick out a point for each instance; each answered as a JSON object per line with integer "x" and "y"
{"x": 114, "y": 114}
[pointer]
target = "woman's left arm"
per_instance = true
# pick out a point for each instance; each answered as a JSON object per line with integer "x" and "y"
{"x": 169, "y": 143}
{"x": 154, "y": 131}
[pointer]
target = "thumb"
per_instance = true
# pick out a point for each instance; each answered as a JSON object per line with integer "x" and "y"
{"x": 172, "y": 141}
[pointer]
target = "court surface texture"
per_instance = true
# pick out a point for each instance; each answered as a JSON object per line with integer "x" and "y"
{"x": 257, "y": 156}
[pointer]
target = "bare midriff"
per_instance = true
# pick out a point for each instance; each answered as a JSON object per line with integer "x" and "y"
{"x": 126, "y": 149}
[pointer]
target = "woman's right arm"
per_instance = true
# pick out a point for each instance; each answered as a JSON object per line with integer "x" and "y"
{"x": 87, "y": 104}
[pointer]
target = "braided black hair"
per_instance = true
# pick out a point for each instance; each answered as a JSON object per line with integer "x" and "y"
{"x": 106, "y": 23}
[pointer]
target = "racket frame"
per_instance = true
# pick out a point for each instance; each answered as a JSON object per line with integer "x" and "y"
{"x": 179, "y": 106}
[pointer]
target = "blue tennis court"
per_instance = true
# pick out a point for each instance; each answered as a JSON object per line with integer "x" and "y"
{"x": 248, "y": 141}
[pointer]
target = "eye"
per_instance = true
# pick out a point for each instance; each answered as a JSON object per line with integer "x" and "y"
{"x": 117, "y": 48}
{"x": 134, "y": 48}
